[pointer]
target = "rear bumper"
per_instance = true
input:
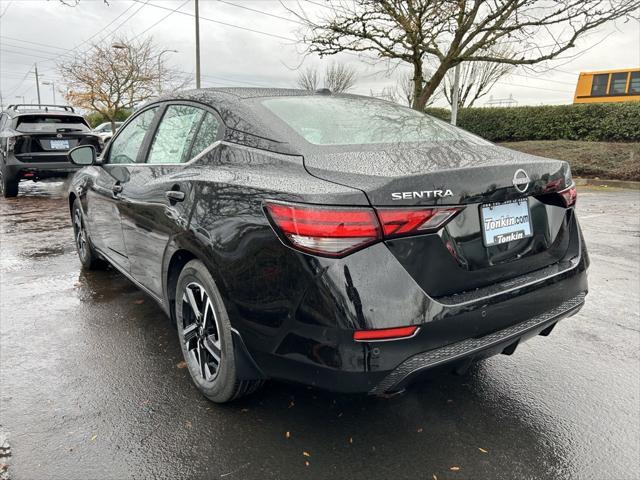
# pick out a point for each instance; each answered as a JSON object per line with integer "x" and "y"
{"x": 466, "y": 351}
{"x": 35, "y": 165}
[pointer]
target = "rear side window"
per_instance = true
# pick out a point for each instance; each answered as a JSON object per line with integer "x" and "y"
{"x": 207, "y": 134}
{"x": 634, "y": 83}
{"x": 323, "y": 120}
{"x": 599, "y": 84}
{"x": 125, "y": 147}
{"x": 618, "y": 83}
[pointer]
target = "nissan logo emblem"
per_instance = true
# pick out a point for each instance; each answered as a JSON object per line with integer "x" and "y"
{"x": 521, "y": 180}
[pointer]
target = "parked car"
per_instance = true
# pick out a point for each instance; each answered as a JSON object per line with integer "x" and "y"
{"x": 105, "y": 131}
{"x": 339, "y": 241}
{"x": 34, "y": 141}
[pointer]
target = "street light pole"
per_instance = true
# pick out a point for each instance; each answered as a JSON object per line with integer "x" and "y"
{"x": 37, "y": 83}
{"x": 197, "y": 45}
{"x": 53, "y": 90}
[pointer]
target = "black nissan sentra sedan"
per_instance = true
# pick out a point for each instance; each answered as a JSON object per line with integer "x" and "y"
{"x": 339, "y": 241}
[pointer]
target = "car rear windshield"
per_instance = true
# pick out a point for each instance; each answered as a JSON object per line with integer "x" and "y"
{"x": 50, "y": 123}
{"x": 323, "y": 120}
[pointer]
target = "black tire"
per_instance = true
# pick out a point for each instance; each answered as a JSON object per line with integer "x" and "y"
{"x": 86, "y": 253}
{"x": 8, "y": 184}
{"x": 206, "y": 336}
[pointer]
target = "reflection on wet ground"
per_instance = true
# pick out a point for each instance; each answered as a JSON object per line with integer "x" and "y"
{"x": 90, "y": 384}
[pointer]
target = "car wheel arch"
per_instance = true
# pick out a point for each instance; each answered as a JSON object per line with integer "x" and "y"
{"x": 72, "y": 200}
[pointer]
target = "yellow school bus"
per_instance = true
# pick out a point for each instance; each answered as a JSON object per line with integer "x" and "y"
{"x": 608, "y": 86}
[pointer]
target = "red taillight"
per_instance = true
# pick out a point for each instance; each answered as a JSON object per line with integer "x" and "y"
{"x": 336, "y": 231}
{"x": 331, "y": 231}
{"x": 384, "y": 334}
{"x": 569, "y": 195}
{"x": 406, "y": 221}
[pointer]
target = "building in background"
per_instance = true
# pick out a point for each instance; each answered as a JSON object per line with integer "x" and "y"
{"x": 608, "y": 86}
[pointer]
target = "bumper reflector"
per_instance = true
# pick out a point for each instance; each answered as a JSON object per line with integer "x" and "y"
{"x": 384, "y": 334}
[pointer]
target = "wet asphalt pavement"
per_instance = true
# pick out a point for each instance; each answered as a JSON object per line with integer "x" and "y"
{"x": 90, "y": 384}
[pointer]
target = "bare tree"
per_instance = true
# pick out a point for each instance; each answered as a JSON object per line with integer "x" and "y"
{"x": 308, "y": 79}
{"x": 476, "y": 79}
{"x": 337, "y": 77}
{"x": 448, "y": 32}
{"x": 108, "y": 80}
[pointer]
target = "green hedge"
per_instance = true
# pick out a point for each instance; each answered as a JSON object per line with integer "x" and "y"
{"x": 594, "y": 122}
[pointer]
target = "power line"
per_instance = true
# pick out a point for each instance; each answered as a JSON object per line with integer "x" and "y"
{"x": 162, "y": 19}
{"x": 261, "y": 12}
{"x": 260, "y": 32}
{"x": 35, "y": 43}
{"x": 11, "y": 45}
{"x": 15, "y": 52}
{"x": 84, "y": 42}
{"x": 532, "y": 87}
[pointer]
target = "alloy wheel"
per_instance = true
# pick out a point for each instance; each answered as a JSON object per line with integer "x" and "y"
{"x": 201, "y": 331}
{"x": 81, "y": 234}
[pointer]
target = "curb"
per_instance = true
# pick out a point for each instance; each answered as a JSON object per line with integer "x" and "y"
{"x": 596, "y": 182}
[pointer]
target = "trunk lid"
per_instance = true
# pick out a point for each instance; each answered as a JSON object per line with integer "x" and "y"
{"x": 465, "y": 175}
{"x": 471, "y": 173}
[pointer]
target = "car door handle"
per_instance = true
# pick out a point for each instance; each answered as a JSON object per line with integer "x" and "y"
{"x": 174, "y": 195}
{"x": 117, "y": 189}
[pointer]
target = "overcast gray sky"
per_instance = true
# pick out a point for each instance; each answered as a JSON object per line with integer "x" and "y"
{"x": 47, "y": 32}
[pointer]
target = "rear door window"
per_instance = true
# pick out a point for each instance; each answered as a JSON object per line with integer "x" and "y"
{"x": 184, "y": 132}
{"x": 126, "y": 145}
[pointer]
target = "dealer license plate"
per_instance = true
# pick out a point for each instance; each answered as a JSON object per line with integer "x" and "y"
{"x": 506, "y": 222}
{"x": 59, "y": 144}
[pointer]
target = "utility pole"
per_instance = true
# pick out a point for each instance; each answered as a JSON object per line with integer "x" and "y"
{"x": 197, "y": 46}
{"x": 37, "y": 84}
{"x": 456, "y": 95}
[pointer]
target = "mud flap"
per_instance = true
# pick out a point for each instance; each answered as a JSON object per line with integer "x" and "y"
{"x": 246, "y": 368}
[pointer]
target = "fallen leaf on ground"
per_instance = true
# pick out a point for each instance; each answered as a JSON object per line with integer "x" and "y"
{"x": 482, "y": 450}
{"x": 139, "y": 302}
{"x": 306, "y": 464}
{"x": 454, "y": 469}
{"x": 292, "y": 403}
{"x": 350, "y": 439}
{"x": 306, "y": 454}
{"x": 93, "y": 439}
{"x": 287, "y": 434}
{"x": 419, "y": 430}
{"x": 434, "y": 477}
{"x": 3, "y": 467}
{"x": 244, "y": 410}
{"x": 181, "y": 365}
{"x": 188, "y": 424}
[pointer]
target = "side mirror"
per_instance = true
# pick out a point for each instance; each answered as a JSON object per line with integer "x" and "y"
{"x": 83, "y": 155}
